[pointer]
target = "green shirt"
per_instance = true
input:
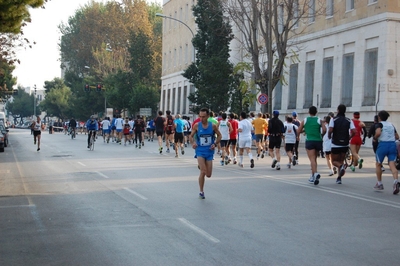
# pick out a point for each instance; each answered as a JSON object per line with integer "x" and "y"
{"x": 312, "y": 127}
{"x": 212, "y": 120}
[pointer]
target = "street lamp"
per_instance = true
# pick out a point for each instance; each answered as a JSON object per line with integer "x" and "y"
{"x": 34, "y": 101}
{"x": 180, "y": 21}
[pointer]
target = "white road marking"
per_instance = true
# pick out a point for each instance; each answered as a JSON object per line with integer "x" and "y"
{"x": 17, "y": 206}
{"x": 103, "y": 175}
{"x": 81, "y": 164}
{"x": 199, "y": 230}
{"x": 135, "y": 193}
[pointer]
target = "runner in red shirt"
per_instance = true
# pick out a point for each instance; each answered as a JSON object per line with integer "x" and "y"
{"x": 232, "y": 137}
{"x": 356, "y": 141}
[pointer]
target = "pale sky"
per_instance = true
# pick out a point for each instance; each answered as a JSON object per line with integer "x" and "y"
{"x": 42, "y": 63}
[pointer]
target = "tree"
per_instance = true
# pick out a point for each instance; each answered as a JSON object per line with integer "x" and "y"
{"x": 21, "y": 105}
{"x": 269, "y": 29}
{"x": 211, "y": 72}
{"x": 57, "y": 102}
{"x": 13, "y": 14}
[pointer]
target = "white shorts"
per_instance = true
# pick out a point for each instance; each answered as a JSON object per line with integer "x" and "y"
{"x": 245, "y": 142}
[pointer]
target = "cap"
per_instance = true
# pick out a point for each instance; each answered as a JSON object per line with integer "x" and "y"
{"x": 294, "y": 114}
{"x": 275, "y": 113}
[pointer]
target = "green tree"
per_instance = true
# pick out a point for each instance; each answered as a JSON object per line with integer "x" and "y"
{"x": 57, "y": 102}
{"x": 21, "y": 106}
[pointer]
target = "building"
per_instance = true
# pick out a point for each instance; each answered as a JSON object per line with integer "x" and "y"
{"x": 347, "y": 55}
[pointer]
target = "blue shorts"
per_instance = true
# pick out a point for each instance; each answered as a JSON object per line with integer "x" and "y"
{"x": 106, "y": 131}
{"x": 119, "y": 130}
{"x": 208, "y": 156}
{"x": 386, "y": 148}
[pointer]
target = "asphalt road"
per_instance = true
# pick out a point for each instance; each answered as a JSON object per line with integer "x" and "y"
{"x": 117, "y": 205}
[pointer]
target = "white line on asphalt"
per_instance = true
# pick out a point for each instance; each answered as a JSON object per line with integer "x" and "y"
{"x": 199, "y": 230}
{"x": 81, "y": 164}
{"x": 17, "y": 206}
{"x": 103, "y": 175}
{"x": 135, "y": 193}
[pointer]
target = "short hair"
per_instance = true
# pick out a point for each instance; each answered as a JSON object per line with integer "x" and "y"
{"x": 232, "y": 115}
{"x": 260, "y": 114}
{"x": 160, "y": 112}
{"x": 252, "y": 114}
{"x": 376, "y": 118}
{"x": 205, "y": 110}
{"x": 312, "y": 110}
{"x": 327, "y": 119}
{"x": 178, "y": 116}
{"x": 289, "y": 119}
{"x": 243, "y": 115}
{"x": 341, "y": 109}
{"x": 223, "y": 115}
{"x": 168, "y": 112}
{"x": 383, "y": 115}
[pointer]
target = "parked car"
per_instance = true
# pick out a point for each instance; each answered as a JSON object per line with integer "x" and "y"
{"x": 4, "y": 133}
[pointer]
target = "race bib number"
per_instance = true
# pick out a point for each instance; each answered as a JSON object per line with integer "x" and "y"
{"x": 205, "y": 140}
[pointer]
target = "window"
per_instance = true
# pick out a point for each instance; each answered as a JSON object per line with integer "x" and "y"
{"x": 296, "y": 13}
{"x": 278, "y": 96}
{"x": 294, "y": 69}
{"x": 184, "y": 99}
{"x": 311, "y": 12}
{"x": 309, "y": 84}
{"x": 178, "y": 108}
{"x": 329, "y": 8}
{"x": 370, "y": 80}
{"x": 173, "y": 100}
{"x": 349, "y": 5}
{"x": 372, "y": 2}
{"x": 347, "y": 79}
{"x": 327, "y": 78}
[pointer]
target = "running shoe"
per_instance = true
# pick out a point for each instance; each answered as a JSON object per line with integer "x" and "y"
{"x": 335, "y": 170}
{"x": 311, "y": 179}
{"x": 352, "y": 168}
{"x": 294, "y": 159}
{"x": 222, "y": 162}
{"x": 240, "y": 165}
{"x": 274, "y": 161}
{"x": 396, "y": 188}
{"x": 251, "y": 163}
{"x": 136, "y": 146}
{"x": 167, "y": 150}
{"x": 160, "y": 150}
{"x": 316, "y": 178}
{"x": 258, "y": 156}
{"x": 360, "y": 162}
{"x": 339, "y": 180}
{"x": 278, "y": 166}
{"x": 331, "y": 173}
{"x": 140, "y": 146}
{"x": 234, "y": 161}
{"x": 262, "y": 155}
{"x": 201, "y": 195}
{"x": 182, "y": 151}
{"x": 176, "y": 156}
{"x": 289, "y": 165}
{"x": 38, "y": 149}
{"x": 379, "y": 187}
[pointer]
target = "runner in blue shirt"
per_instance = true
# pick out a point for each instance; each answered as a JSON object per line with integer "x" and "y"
{"x": 179, "y": 125}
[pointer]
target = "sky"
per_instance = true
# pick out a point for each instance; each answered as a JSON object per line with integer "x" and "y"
{"x": 41, "y": 62}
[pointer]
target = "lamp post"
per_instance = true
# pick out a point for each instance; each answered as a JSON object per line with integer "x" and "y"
{"x": 180, "y": 21}
{"x": 34, "y": 101}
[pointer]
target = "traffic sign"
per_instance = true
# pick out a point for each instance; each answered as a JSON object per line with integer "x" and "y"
{"x": 145, "y": 111}
{"x": 262, "y": 98}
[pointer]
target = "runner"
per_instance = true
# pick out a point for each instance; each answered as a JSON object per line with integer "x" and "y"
{"x": 245, "y": 139}
{"x": 119, "y": 124}
{"x": 232, "y": 138}
{"x": 150, "y": 129}
{"x": 312, "y": 127}
{"x": 356, "y": 141}
{"x": 106, "y": 129}
{"x": 169, "y": 130}
{"x": 225, "y": 127}
{"x": 188, "y": 129}
{"x": 296, "y": 146}
{"x": 339, "y": 128}
{"x": 327, "y": 147}
{"x": 204, "y": 144}
{"x": 126, "y": 131}
{"x": 290, "y": 137}
{"x": 159, "y": 125}
{"x": 179, "y": 128}
{"x": 138, "y": 130}
{"x": 259, "y": 125}
{"x": 37, "y": 127}
{"x": 386, "y": 135}
{"x": 275, "y": 134}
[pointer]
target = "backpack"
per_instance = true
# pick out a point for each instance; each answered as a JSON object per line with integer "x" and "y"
{"x": 341, "y": 129}
{"x": 170, "y": 123}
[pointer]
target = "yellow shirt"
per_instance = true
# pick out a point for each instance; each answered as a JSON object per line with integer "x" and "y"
{"x": 259, "y": 124}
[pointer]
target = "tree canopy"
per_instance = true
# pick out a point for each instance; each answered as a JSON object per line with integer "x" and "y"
{"x": 211, "y": 73}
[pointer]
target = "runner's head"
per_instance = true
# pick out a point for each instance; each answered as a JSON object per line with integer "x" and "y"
{"x": 341, "y": 109}
{"x": 204, "y": 114}
{"x": 383, "y": 115}
{"x": 356, "y": 115}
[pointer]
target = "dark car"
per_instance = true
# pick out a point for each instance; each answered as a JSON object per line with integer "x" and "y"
{"x": 3, "y": 137}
